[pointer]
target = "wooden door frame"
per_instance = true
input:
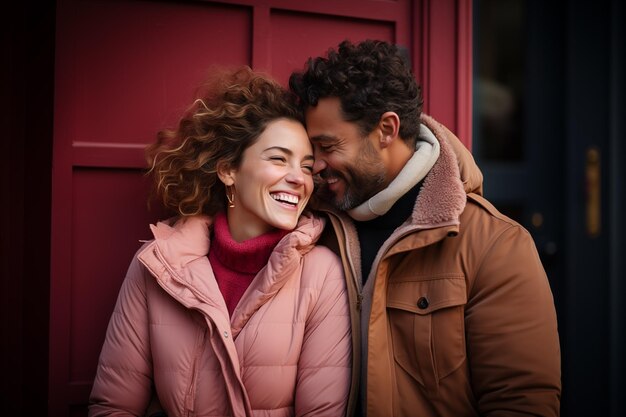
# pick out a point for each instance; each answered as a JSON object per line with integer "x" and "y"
{"x": 447, "y": 94}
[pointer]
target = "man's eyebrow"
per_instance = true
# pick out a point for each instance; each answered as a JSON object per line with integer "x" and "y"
{"x": 322, "y": 137}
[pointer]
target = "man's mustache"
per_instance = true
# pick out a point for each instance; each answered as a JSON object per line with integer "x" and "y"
{"x": 328, "y": 173}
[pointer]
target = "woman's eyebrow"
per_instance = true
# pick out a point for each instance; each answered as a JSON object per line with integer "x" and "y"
{"x": 287, "y": 151}
{"x": 279, "y": 148}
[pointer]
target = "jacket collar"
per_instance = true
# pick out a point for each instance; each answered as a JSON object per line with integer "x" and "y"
{"x": 177, "y": 259}
{"x": 442, "y": 197}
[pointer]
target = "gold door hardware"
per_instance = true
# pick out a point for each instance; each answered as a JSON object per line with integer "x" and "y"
{"x": 593, "y": 195}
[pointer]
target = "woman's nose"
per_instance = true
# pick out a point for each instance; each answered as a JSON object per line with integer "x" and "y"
{"x": 295, "y": 176}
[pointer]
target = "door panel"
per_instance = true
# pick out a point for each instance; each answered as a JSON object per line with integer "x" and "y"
{"x": 121, "y": 94}
{"x": 297, "y": 36}
{"x": 109, "y": 218}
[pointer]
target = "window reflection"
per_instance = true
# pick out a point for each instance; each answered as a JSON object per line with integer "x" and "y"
{"x": 499, "y": 88}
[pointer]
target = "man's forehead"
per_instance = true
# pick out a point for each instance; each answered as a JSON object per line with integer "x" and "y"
{"x": 326, "y": 108}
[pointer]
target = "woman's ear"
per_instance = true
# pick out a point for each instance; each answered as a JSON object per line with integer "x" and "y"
{"x": 225, "y": 173}
{"x": 389, "y": 126}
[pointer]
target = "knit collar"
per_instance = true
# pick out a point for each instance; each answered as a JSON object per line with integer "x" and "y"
{"x": 396, "y": 215}
{"x": 425, "y": 156}
{"x": 248, "y": 256}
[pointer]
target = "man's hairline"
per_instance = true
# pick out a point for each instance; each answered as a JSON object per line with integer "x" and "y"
{"x": 342, "y": 113}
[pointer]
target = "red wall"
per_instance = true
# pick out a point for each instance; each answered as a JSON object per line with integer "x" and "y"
{"x": 125, "y": 69}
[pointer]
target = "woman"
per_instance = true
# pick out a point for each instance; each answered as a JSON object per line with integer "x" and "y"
{"x": 231, "y": 310}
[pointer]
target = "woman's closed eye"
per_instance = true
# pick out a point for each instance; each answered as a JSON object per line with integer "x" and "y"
{"x": 307, "y": 166}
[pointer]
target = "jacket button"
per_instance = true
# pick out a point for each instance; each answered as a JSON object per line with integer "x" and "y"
{"x": 226, "y": 335}
{"x": 422, "y": 303}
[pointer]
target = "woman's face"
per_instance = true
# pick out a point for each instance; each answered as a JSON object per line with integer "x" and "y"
{"x": 274, "y": 181}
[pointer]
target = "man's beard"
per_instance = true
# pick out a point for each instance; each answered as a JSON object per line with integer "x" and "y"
{"x": 365, "y": 177}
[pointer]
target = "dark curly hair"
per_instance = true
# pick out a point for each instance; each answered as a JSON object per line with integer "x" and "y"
{"x": 231, "y": 111}
{"x": 370, "y": 78}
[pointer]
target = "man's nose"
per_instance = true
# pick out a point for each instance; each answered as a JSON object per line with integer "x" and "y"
{"x": 319, "y": 166}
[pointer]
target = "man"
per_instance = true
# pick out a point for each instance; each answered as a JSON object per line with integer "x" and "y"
{"x": 454, "y": 308}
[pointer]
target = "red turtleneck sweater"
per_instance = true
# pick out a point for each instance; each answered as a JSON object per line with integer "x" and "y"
{"x": 235, "y": 264}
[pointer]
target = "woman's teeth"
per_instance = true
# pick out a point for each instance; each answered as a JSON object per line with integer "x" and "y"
{"x": 286, "y": 198}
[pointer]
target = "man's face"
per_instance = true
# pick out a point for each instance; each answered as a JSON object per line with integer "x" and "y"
{"x": 349, "y": 166}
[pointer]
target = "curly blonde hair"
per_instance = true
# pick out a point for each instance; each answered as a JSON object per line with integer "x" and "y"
{"x": 231, "y": 110}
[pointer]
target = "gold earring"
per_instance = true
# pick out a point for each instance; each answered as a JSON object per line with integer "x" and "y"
{"x": 230, "y": 195}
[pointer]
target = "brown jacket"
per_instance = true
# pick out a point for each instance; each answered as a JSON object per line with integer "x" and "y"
{"x": 462, "y": 317}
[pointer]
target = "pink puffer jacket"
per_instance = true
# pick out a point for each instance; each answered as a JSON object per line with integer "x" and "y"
{"x": 286, "y": 350}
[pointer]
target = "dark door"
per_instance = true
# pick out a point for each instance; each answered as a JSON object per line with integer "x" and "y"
{"x": 548, "y": 131}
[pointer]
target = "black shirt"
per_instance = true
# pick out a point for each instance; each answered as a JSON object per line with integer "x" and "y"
{"x": 373, "y": 233}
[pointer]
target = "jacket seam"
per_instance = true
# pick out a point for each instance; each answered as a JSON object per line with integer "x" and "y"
{"x": 435, "y": 278}
{"x": 123, "y": 368}
{"x": 488, "y": 250}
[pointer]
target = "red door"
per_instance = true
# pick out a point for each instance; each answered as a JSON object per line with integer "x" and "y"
{"x": 126, "y": 68}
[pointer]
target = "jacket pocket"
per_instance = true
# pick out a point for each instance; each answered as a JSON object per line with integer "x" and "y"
{"x": 426, "y": 316}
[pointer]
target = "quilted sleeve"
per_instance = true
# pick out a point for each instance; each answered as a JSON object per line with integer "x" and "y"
{"x": 324, "y": 367}
{"x": 124, "y": 376}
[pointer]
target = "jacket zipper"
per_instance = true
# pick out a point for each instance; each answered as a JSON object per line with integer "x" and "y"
{"x": 357, "y": 280}
{"x": 190, "y": 397}
{"x": 359, "y": 300}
